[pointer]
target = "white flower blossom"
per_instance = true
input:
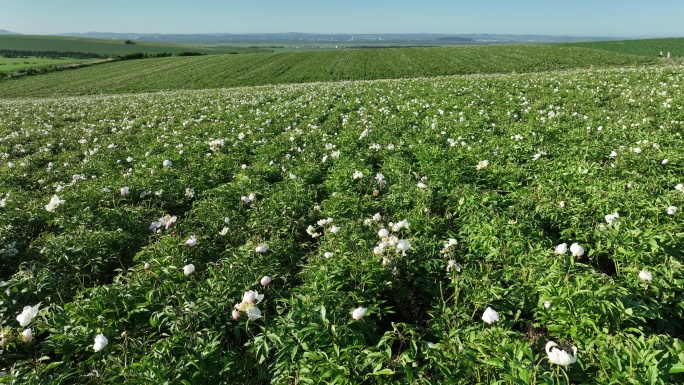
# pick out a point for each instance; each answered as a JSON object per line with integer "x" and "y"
{"x": 359, "y": 312}
{"x": 54, "y": 203}
{"x": 561, "y": 249}
{"x": 100, "y": 342}
{"x": 188, "y": 269}
{"x": 645, "y": 275}
{"x": 27, "y": 314}
{"x": 490, "y": 316}
{"x": 560, "y": 356}
{"x": 576, "y": 250}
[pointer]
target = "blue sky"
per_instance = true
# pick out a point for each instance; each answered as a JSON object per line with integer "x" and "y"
{"x": 624, "y": 18}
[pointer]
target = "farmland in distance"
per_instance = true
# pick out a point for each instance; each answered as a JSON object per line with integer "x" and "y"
{"x": 218, "y": 71}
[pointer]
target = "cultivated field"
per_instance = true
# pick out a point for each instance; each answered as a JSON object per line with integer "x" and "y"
{"x": 103, "y": 46}
{"x": 411, "y": 231}
{"x": 648, "y": 47}
{"x": 318, "y": 66}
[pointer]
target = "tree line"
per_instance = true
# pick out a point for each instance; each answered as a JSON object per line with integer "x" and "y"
{"x": 13, "y": 53}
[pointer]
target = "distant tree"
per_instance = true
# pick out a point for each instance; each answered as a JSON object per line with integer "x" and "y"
{"x": 189, "y": 53}
{"x": 129, "y": 41}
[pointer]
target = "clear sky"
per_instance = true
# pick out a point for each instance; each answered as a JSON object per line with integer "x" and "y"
{"x": 622, "y": 18}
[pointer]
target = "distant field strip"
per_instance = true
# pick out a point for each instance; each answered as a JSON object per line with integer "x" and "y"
{"x": 220, "y": 71}
{"x": 648, "y": 47}
{"x": 110, "y": 47}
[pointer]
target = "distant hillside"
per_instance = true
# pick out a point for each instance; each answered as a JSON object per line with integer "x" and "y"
{"x": 5, "y": 32}
{"x": 645, "y": 47}
{"x": 220, "y": 71}
{"x": 454, "y": 38}
{"x": 110, "y": 47}
{"x": 312, "y": 37}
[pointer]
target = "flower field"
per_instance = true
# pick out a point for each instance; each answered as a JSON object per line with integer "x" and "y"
{"x": 522, "y": 228}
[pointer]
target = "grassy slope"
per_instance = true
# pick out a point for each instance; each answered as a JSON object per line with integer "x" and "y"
{"x": 101, "y": 46}
{"x": 297, "y": 67}
{"x": 9, "y": 64}
{"x": 647, "y": 47}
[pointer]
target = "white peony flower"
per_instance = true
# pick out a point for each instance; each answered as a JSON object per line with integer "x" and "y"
{"x": 576, "y": 250}
{"x": 671, "y": 210}
{"x": 646, "y": 275}
{"x": 27, "y": 314}
{"x": 665, "y": 161}
{"x": 490, "y": 316}
{"x": 403, "y": 245}
{"x": 610, "y": 218}
{"x": 328, "y": 254}
{"x": 561, "y": 249}
{"x": 359, "y": 312}
{"x": 422, "y": 185}
{"x": 125, "y": 191}
{"x": 358, "y": 175}
{"x": 482, "y": 164}
{"x": 192, "y": 241}
{"x": 561, "y": 204}
{"x": 335, "y": 229}
{"x": 253, "y": 312}
{"x": 262, "y": 248}
{"x": 265, "y": 280}
{"x": 54, "y": 203}
{"x": 100, "y": 342}
{"x": 637, "y": 150}
{"x": 383, "y": 233}
{"x": 560, "y": 356}
{"x": 235, "y": 314}
{"x": 452, "y": 265}
{"x": 679, "y": 187}
{"x": 188, "y": 269}
{"x": 547, "y": 304}
{"x": 167, "y": 163}
{"x": 27, "y": 335}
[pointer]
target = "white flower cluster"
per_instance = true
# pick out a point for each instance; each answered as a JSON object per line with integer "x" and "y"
{"x": 166, "y": 222}
{"x": 392, "y": 241}
{"x": 575, "y": 249}
{"x": 312, "y": 231}
{"x": 249, "y": 300}
{"x": 216, "y": 144}
{"x": 248, "y": 199}
{"x": 3, "y": 201}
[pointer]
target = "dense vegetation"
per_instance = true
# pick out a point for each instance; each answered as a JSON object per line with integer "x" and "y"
{"x": 423, "y": 201}
{"x": 317, "y": 66}
{"x": 647, "y": 47}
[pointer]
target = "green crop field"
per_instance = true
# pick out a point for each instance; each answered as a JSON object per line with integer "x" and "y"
{"x": 104, "y": 46}
{"x": 647, "y": 47}
{"x": 11, "y": 64}
{"x": 425, "y": 230}
{"x": 318, "y": 66}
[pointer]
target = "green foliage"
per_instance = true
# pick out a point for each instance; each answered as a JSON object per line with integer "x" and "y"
{"x": 369, "y": 195}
